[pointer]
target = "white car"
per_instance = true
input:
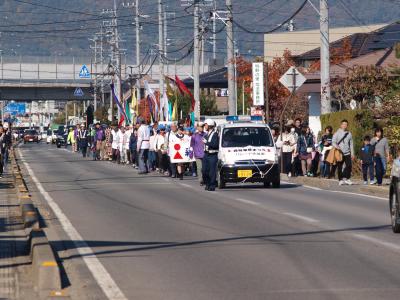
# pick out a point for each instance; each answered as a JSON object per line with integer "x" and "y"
{"x": 247, "y": 153}
{"x": 50, "y": 137}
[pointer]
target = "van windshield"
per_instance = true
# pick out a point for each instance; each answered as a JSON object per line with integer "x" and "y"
{"x": 30, "y": 132}
{"x": 247, "y": 136}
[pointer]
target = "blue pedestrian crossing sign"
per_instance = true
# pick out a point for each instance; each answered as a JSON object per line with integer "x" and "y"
{"x": 84, "y": 72}
{"x": 78, "y": 92}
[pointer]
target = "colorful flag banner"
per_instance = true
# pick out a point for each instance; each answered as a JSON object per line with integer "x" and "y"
{"x": 184, "y": 90}
{"x": 165, "y": 106}
{"x": 153, "y": 99}
{"x": 120, "y": 108}
{"x": 128, "y": 112}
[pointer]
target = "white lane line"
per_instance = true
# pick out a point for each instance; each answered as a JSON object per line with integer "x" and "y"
{"x": 338, "y": 192}
{"x": 312, "y": 188}
{"x": 388, "y": 245}
{"x": 187, "y": 186}
{"x": 300, "y": 217}
{"x": 289, "y": 183}
{"x": 360, "y": 195}
{"x": 108, "y": 183}
{"x": 99, "y": 272}
{"x": 247, "y": 202}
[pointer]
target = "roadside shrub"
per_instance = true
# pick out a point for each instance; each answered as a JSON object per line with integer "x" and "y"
{"x": 361, "y": 123}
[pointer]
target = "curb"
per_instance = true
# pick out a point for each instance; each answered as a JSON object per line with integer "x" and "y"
{"x": 45, "y": 269}
{"x": 28, "y": 211}
{"x": 333, "y": 184}
{"x": 46, "y": 273}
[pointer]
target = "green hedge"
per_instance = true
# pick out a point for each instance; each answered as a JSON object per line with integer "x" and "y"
{"x": 361, "y": 123}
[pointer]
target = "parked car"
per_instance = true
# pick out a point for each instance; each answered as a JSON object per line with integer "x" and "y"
{"x": 31, "y": 136}
{"x": 51, "y": 136}
{"x": 394, "y": 196}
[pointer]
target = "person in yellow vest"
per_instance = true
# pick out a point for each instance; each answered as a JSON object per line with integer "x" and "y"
{"x": 71, "y": 139}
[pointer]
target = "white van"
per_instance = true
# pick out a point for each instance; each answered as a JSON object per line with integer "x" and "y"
{"x": 247, "y": 153}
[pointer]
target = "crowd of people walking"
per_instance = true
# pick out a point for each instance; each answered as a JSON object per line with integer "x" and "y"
{"x": 146, "y": 148}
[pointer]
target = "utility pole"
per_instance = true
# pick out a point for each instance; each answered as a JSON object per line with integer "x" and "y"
{"x": 137, "y": 21}
{"x": 161, "y": 49}
{"x": 165, "y": 37}
{"x": 114, "y": 65}
{"x": 214, "y": 35}
{"x": 230, "y": 56}
{"x": 325, "y": 58}
{"x": 137, "y": 15}
{"x": 196, "y": 64}
{"x": 95, "y": 39}
{"x": 118, "y": 73}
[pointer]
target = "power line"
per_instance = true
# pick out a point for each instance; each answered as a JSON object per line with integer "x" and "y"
{"x": 277, "y": 27}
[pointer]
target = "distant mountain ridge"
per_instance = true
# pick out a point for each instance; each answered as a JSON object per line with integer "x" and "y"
{"x": 66, "y": 31}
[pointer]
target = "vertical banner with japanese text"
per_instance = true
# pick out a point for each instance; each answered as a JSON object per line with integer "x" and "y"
{"x": 258, "y": 84}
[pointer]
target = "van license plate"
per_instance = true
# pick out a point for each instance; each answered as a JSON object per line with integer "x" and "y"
{"x": 245, "y": 173}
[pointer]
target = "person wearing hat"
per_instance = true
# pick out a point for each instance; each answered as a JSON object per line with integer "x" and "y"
{"x": 210, "y": 160}
{"x": 161, "y": 151}
{"x": 170, "y": 136}
{"x": 83, "y": 139}
{"x": 180, "y": 136}
{"x": 198, "y": 149}
{"x": 98, "y": 141}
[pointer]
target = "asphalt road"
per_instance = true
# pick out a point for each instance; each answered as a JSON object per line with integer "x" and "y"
{"x": 159, "y": 238}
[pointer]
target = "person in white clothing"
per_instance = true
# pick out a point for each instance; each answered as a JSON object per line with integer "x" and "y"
{"x": 152, "y": 152}
{"x": 114, "y": 144}
{"x": 168, "y": 137}
{"x": 121, "y": 145}
{"x": 127, "y": 138}
{"x": 180, "y": 136}
{"x": 161, "y": 151}
{"x": 286, "y": 142}
{"x": 143, "y": 146}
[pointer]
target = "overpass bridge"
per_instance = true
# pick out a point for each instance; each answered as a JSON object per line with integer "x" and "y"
{"x": 40, "y": 79}
{"x": 26, "y": 90}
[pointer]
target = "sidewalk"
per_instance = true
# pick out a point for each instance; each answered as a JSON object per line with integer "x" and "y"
{"x": 333, "y": 184}
{"x": 14, "y": 261}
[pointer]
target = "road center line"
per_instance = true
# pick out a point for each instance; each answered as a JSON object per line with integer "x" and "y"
{"x": 99, "y": 272}
{"x": 377, "y": 241}
{"x": 247, "y": 202}
{"x": 312, "y": 188}
{"x": 300, "y": 217}
{"x": 187, "y": 186}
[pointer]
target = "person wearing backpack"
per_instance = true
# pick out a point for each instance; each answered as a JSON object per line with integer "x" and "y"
{"x": 343, "y": 141}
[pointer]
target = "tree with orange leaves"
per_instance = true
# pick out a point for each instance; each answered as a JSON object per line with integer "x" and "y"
{"x": 277, "y": 93}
